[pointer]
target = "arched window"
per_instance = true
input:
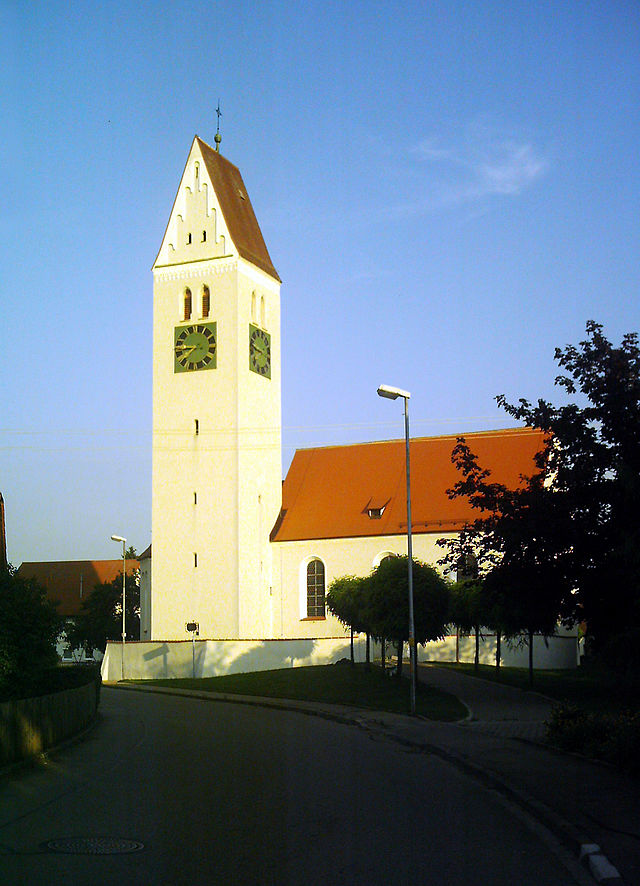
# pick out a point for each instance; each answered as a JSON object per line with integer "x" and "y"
{"x": 187, "y": 304}
{"x": 315, "y": 589}
{"x": 253, "y": 306}
{"x": 206, "y": 301}
{"x": 262, "y": 312}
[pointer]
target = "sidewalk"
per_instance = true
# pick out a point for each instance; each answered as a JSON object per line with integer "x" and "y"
{"x": 581, "y": 802}
{"x": 588, "y": 801}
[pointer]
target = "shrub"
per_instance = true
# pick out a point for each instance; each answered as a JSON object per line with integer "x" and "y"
{"x": 613, "y": 739}
{"x": 49, "y": 680}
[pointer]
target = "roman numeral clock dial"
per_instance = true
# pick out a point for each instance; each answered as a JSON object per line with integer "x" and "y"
{"x": 259, "y": 351}
{"x": 194, "y": 347}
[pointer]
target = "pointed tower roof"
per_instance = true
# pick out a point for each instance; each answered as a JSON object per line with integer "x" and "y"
{"x": 235, "y": 206}
{"x": 237, "y": 209}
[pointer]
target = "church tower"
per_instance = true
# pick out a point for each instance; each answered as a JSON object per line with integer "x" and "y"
{"x": 217, "y": 477}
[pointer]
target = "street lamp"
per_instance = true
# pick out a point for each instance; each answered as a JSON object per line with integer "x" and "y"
{"x": 391, "y": 393}
{"x": 124, "y": 592}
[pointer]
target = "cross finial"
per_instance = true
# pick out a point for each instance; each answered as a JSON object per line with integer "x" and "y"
{"x": 218, "y": 137}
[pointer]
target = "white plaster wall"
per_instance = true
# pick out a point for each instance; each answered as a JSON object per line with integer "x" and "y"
{"x": 559, "y": 651}
{"x": 213, "y": 658}
{"x": 341, "y": 556}
{"x": 145, "y": 599}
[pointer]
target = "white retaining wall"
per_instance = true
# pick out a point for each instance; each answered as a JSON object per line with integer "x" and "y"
{"x": 557, "y": 652}
{"x": 213, "y": 658}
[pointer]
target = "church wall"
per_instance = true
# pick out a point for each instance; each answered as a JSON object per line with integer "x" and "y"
{"x": 341, "y": 556}
{"x": 195, "y": 468}
{"x": 259, "y": 452}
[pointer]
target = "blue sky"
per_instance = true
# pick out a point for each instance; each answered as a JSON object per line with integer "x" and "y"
{"x": 448, "y": 190}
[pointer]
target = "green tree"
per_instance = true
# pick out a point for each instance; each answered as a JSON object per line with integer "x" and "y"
{"x": 522, "y": 552}
{"x": 29, "y": 628}
{"x": 467, "y": 611}
{"x": 345, "y": 599}
{"x": 387, "y": 595}
{"x": 100, "y": 617}
{"x": 594, "y": 460}
{"x": 473, "y": 605}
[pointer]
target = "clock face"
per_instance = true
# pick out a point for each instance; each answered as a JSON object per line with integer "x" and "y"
{"x": 259, "y": 351}
{"x": 194, "y": 347}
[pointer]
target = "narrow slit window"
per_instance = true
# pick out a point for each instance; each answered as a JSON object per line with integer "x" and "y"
{"x": 195, "y": 498}
{"x": 195, "y": 561}
{"x": 197, "y": 427}
{"x": 206, "y": 301}
{"x": 204, "y": 236}
{"x": 188, "y": 239}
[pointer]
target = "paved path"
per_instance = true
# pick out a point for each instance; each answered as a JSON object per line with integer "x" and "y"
{"x": 493, "y": 708}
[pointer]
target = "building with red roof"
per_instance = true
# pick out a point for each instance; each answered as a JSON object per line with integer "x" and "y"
{"x": 344, "y": 508}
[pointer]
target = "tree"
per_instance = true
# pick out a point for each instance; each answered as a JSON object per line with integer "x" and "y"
{"x": 473, "y": 605}
{"x": 521, "y": 554}
{"x": 387, "y": 594}
{"x": 100, "y": 617}
{"x": 467, "y": 611}
{"x": 345, "y": 600}
{"x": 594, "y": 460}
{"x": 29, "y": 629}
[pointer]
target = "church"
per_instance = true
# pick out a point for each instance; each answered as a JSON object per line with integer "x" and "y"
{"x": 237, "y": 553}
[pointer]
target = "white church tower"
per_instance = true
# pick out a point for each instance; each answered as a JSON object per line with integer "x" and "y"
{"x": 217, "y": 474}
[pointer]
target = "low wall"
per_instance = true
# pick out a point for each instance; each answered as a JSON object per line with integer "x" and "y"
{"x": 213, "y": 658}
{"x": 557, "y": 652}
{"x": 169, "y": 659}
{"x": 28, "y": 726}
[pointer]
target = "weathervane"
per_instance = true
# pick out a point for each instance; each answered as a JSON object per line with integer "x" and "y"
{"x": 218, "y": 137}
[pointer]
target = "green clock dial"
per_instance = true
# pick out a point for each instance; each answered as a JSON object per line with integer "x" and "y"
{"x": 259, "y": 351}
{"x": 194, "y": 347}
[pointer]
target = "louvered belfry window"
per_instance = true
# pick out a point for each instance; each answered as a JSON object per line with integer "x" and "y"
{"x": 187, "y": 304}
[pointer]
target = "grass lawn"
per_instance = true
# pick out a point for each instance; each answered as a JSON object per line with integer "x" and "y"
{"x": 589, "y": 687}
{"x": 335, "y": 684}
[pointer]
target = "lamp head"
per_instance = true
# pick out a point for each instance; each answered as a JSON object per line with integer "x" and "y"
{"x": 118, "y": 538}
{"x": 392, "y": 393}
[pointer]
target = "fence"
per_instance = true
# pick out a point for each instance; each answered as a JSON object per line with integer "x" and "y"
{"x": 28, "y": 726}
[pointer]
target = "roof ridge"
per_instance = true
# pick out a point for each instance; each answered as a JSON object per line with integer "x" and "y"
{"x": 488, "y": 433}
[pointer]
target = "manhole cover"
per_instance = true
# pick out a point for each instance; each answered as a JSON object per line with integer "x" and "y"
{"x": 93, "y": 845}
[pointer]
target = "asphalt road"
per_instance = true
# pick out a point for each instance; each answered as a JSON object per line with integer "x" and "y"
{"x": 210, "y": 792}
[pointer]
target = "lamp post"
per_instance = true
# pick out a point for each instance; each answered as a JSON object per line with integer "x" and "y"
{"x": 392, "y": 394}
{"x": 124, "y": 592}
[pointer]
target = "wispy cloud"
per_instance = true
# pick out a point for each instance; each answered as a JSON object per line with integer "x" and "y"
{"x": 475, "y": 164}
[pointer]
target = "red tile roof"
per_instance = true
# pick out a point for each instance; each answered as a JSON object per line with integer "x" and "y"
{"x": 329, "y": 491}
{"x": 237, "y": 209}
{"x": 71, "y": 581}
